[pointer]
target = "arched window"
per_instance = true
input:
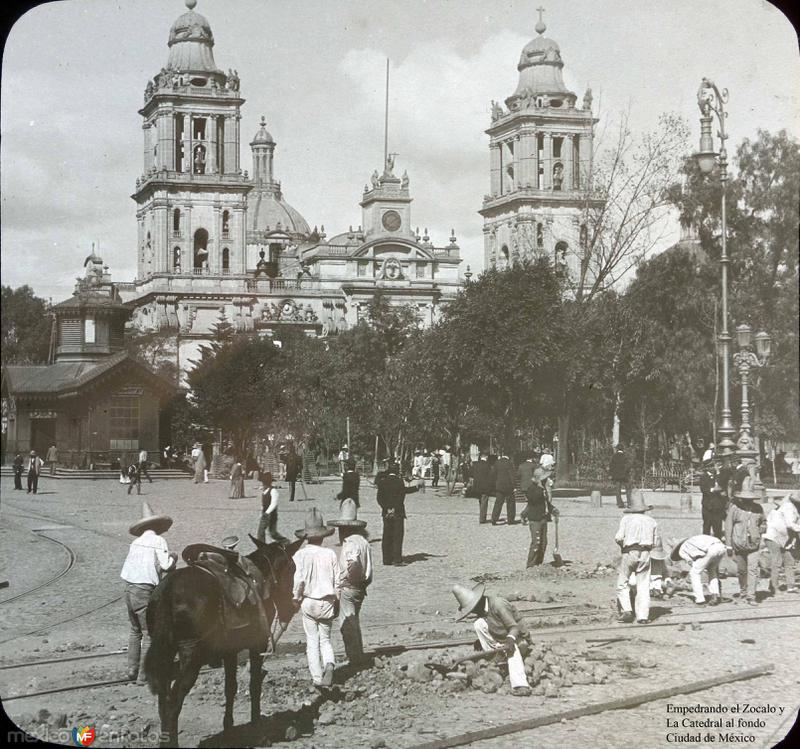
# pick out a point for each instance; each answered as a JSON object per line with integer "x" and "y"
{"x": 504, "y": 253}
{"x": 539, "y": 237}
{"x": 176, "y": 259}
{"x": 176, "y": 222}
{"x": 226, "y": 223}
{"x": 584, "y": 236}
{"x": 561, "y": 254}
{"x": 226, "y": 260}
{"x": 200, "y": 249}
{"x": 558, "y": 175}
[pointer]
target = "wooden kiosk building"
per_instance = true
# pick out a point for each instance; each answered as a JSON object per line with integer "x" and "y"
{"x": 94, "y": 402}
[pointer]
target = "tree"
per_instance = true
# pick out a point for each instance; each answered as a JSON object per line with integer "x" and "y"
{"x": 763, "y": 225}
{"x": 157, "y": 349}
{"x": 26, "y": 327}
{"x": 238, "y": 387}
{"x": 625, "y": 210}
{"x": 498, "y": 346}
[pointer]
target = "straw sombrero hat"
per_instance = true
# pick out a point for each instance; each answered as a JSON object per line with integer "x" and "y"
{"x": 314, "y": 527}
{"x": 637, "y": 503}
{"x": 658, "y": 552}
{"x": 676, "y": 548}
{"x": 467, "y": 598}
{"x": 348, "y": 516}
{"x": 150, "y": 521}
{"x": 746, "y": 492}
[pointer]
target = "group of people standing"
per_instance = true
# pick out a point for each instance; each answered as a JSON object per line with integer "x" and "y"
{"x": 501, "y": 479}
{"x": 746, "y": 531}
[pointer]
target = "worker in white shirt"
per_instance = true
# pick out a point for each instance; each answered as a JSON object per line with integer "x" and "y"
{"x": 783, "y": 527}
{"x": 704, "y": 554}
{"x": 637, "y": 536}
{"x": 148, "y": 559}
{"x": 355, "y": 575}
{"x": 316, "y": 595}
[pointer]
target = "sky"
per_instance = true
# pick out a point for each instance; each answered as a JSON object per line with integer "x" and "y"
{"x": 74, "y": 74}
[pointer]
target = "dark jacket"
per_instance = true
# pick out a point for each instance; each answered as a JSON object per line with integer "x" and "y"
{"x": 538, "y": 502}
{"x": 619, "y": 467}
{"x": 503, "y": 619}
{"x": 525, "y": 474}
{"x": 504, "y": 476}
{"x": 713, "y": 501}
{"x": 294, "y": 464}
{"x": 392, "y": 495}
{"x": 482, "y": 477}
{"x": 350, "y": 484}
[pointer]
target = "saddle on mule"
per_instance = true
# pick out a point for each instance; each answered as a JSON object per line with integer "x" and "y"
{"x": 240, "y": 582}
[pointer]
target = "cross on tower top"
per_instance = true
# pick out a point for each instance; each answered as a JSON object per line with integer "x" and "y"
{"x": 540, "y": 26}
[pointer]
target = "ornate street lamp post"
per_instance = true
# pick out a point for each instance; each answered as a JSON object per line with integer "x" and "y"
{"x": 745, "y": 360}
{"x": 710, "y": 99}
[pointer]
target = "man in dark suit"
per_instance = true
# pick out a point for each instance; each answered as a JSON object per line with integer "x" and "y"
{"x": 351, "y": 482}
{"x": 391, "y": 497}
{"x": 294, "y": 465}
{"x": 504, "y": 489}
{"x": 482, "y": 477}
{"x": 620, "y": 475}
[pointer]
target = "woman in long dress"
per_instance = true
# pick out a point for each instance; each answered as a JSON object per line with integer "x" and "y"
{"x": 199, "y": 464}
{"x": 237, "y": 480}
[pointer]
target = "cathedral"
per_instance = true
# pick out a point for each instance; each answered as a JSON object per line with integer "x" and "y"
{"x": 540, "y": 163}
{"x": 218, "y": 243}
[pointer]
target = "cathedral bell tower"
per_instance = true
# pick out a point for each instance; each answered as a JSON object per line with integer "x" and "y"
{"x": 192, "y": 194}
{"x": 540, "y": 164}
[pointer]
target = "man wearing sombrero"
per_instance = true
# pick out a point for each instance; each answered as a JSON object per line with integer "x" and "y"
{"x": 316, "y": 595}
{"x": 148, "y": 559}
{"x": 744, "y": 528}
{"x": 498, "y": 627}
{"x": 637, "y": 536}
{"x": 355, "y": 574}
{"x": 783, "y": 528}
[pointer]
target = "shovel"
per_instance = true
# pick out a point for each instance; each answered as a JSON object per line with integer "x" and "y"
{"x": 557, "y": 560}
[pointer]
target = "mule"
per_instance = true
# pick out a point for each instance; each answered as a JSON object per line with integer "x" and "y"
{"x": 185, "y": 617}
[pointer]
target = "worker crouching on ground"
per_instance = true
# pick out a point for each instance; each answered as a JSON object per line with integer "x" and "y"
{"x": 148, "y": 558}
{"x": 703, "y": 553}
{"x": 498, "y": 628}
{"x": 637, "y": 536}
{"x": 355, "y": 575}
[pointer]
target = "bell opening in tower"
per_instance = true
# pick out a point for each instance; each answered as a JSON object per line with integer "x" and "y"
{"x": 200, "y": 250}
{"x": 179, "y": 167}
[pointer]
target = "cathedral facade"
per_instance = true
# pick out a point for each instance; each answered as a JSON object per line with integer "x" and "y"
{"x": 540, "y": 165}
{"x": 216, "y": 243}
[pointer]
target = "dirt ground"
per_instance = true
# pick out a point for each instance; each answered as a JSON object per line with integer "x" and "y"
{"x": 398, "y": 702}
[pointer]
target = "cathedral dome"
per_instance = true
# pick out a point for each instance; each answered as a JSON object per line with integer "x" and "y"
{"x": 263, "y": 136}
{"x": 190, "y": 42}
{"x": 266, "y": 210}
{"x": 540, "y": 73}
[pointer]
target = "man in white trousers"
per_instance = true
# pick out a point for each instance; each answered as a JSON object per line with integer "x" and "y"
{"x": 316, "y": 596}
{"x": 498, "y": 628}
{"x": 703, "y": 553}
{"x": 637, "y": 536}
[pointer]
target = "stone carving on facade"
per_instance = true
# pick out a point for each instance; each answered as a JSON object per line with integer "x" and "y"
{"x": 587, "y": 99}
{"x": 375, "y": 179}
{"x": 497, "y": 111}
{"x": 404, "y": 182}
{"x": 232, "y": 81}
{"x": 391, "y": 269}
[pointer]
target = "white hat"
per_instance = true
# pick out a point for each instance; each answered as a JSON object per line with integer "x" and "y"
{"x": 547, "y": 461}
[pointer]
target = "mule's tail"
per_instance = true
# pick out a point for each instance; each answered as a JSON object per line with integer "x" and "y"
{"x": 159, "y": 658}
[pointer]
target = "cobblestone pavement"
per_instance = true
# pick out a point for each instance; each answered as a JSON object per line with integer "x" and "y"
{"x": 444, "y": 545}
